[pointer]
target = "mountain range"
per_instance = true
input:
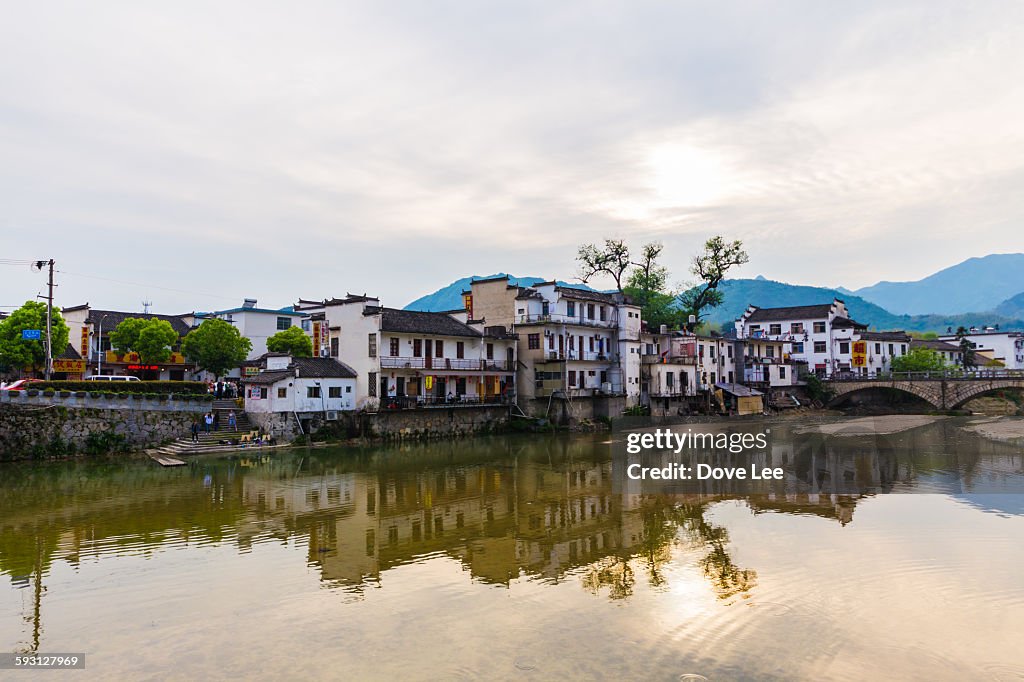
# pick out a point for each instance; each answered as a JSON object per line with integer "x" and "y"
{"x": 976, "y": 284}
{"x": 969, "y": 283}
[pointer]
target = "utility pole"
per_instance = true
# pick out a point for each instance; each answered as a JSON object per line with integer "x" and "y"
{"x": 49, "y": 314}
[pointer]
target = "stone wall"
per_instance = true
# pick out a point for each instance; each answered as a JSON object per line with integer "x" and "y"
{"x": 132, "y": 402}
{"x": 281, "y": 425}
{"x": 571, "y": 412}
{"x": 443, "y": 422}
{"x": 53, "y": 429}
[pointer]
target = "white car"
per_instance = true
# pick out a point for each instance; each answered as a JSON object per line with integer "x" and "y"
{"x": 111, "y": 377}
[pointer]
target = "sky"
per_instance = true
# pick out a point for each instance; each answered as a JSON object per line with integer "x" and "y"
{"x": 192, "y": 154}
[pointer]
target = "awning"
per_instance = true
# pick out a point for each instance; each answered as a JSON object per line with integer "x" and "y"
{"x": 738, "y": 390}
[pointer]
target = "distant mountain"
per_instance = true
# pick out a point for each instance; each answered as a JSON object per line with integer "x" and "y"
{"x": 450, "y": 297}
{"x": 975, "y": 284}
{"x": 739, "y": 293}
{"x": 1012, "y": 307}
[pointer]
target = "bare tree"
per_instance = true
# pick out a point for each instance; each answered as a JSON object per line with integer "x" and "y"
{"x": 711, "y": 267}
{"x": 612, "y": 260}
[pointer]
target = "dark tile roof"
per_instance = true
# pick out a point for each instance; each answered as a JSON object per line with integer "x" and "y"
{"x": 418, "y": 322}
{"x": 935, "y": 344}
{"x": 884, "y": 336}
{"x": 309, "y": 368}
{"x": 738, "y": 390}
{"x": 112, "y": 318}
{"x": 796, "y": 312}
{"x": 525, "y": 293}
{"x": 587, "y": 295}
{"x": 498, "y": 332}
{"x": 322, "y": 367}
{"x": 846, "y": 323}
{"x": 69, "y": 354}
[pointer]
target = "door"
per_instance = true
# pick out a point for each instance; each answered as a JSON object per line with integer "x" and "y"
{"x": 428, "y": 353}
{"x": 509, "y": 360}
{"x": 400, "y": 387}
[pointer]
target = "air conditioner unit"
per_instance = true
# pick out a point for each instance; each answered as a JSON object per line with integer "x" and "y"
{"x": 332, "y": 415}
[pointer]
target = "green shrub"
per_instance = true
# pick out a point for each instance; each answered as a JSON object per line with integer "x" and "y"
{"x": 14, "y": 394}
{"x": 65, "y": 394}
{"x": 194, "y": 387}
{"x": 49, "y": 393}
{"x": 102, "y": 442}
{"x": 80, "y": 394}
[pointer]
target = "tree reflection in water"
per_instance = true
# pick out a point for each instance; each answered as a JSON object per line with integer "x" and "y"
{"x": 668, "y": 523}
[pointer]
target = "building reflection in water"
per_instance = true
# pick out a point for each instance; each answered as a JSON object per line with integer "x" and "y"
{"x": 506, "y": 509}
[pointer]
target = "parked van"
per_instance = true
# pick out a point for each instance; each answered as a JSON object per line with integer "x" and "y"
{"x": 108, "y": 377}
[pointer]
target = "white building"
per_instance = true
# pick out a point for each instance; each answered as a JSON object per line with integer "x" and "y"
{"x": 949, "y": 352}
{"x": 1005, "y": 347}
{"x": 407, "y": 358}
{"x": 256, "y": 324}
{"x": 572, "y": 342}
{"x": 302, "y": 387}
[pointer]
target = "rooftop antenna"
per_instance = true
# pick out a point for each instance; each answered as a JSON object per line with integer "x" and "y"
{"x": 145, "y": 307}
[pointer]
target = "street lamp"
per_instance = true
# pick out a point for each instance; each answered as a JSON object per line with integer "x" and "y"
{"x": 99, "y": 348}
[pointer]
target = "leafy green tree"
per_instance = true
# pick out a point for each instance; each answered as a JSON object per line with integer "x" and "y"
{"x": 292, "y": 341}
{"x": 710, "y": 267}
{"x": 647, "y": 286}
{"x": 19, "y": 354}
{"x": 152, "y": 339}
{"x": 919, "y": 359}
{"x": 966, "y": 348}
{"x": 216, "y": 346}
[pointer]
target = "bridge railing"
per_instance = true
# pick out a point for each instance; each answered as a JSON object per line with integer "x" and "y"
{"x": 938, "y": 375}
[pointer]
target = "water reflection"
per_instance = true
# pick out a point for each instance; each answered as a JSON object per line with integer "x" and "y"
{"x": 509, "y": 509}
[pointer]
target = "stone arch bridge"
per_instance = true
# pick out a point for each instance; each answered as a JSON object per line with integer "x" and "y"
{"x": 942, "y": 391}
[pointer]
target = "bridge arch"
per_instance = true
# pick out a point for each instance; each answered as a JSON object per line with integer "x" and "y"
{"x": 963, "y": 392}
{"x": 929, "y": 391}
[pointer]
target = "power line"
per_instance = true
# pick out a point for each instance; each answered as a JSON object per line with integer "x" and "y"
{"x": 150, "y": 286}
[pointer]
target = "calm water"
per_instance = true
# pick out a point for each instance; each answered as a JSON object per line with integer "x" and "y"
{"x": 520, "y": 558}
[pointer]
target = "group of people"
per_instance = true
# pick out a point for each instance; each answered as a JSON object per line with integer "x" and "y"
{"x": 223, "y": 389}
{"x": 211, "y": 422}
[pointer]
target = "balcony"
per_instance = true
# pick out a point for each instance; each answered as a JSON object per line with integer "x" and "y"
{"x": 445, "y": 364}
{"x": 576, "y": 356}
{"x": 412, "y": 402}
{"x": 669, "y": 360}
{"x": 566, "y": 319}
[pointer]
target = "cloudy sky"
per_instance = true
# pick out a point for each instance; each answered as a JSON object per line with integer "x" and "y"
{"x": 194, "y": 153}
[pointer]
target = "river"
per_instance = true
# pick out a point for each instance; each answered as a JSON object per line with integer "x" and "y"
{"x": 524, "y": 558}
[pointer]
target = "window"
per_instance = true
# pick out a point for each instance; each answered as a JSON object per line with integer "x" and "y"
{"x": 590, "y": 311}
{"x": 372, "y": 338}
{"x": 819, "y": 347}
{"x": 796, "y": 328}
{"x": 284, "y": 323}
{"x": 782, "y": 371}
{"x": 282, "y": 392}
{"x": 878, "y": 349}
{"x": 572, "y": 377}
{"x": 711, "y": 352}
{"x": 372, "y": 385}
{"x": 417, "y": 348}
{"x": 312, "y": 391}
{"x": 769, "y": 351}
{"x": 334, "y": 391}
{"x": 348, "y": 389}
{"x": 604, "y": 314}
{"x": 334, "y": 347}
{"x": 844, "y": 347}
{"x": 819, "y": 327}
{"x": 439, "y": 348}
{"x": 307, "y": 325}
{"x": 545, "y": 308}
{"x": 460, "y": 349}
{"x": 551, "y": 342}
{"x": 570, "y": 308}
{"x": 490, "y": 351}
{"x": 263, "y": 393}
{"x": 798, "y": 346}
{"x": 775, "y": 329}
{"x": 713, "y": 381}
{"x": 891, "y": 350}
{"x": 729, "y": 351}
{"x": 393, "y": 347}
{"x": 903, "y": 349}
{"x": 533, "y": 341}
{"x": 669, "y": 379}
{"x": 604, "y": 376}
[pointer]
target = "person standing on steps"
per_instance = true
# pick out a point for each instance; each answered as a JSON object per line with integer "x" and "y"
{"x": 216, "y": 421}
{"x": 232, "y": 422}
{"x": 208, "y": 421}
{"x": 195, "y": 430}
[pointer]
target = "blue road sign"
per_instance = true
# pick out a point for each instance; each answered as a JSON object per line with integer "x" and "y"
{"x": 31, "y": 334}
